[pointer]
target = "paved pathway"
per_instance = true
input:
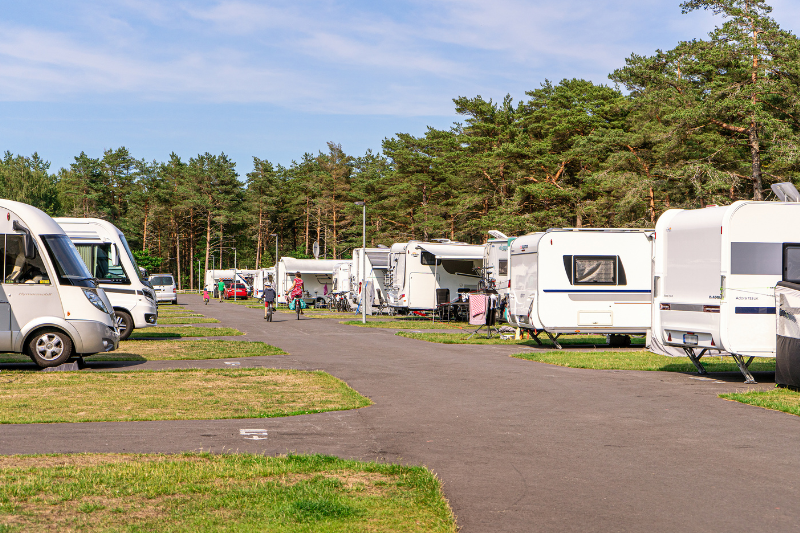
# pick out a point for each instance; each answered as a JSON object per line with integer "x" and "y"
{"x": 520, "y": 446}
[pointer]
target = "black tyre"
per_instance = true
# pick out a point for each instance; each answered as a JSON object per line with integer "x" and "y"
{"x": 175, "y": 301}
{"x": 50, "y": 347}
{"x": 124, "y": 323}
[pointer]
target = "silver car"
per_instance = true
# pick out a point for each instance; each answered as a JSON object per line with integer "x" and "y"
{"x": 164, "y": 285}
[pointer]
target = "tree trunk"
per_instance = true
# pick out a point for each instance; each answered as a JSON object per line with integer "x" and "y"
{"x": 755, "y": 153}
{"x": 208, "y": 239}
{"x": 652, "y": 207}
{"x": 178, "y": 255}
{"x": 307, "y": 227}
{"x": 258, "y": 239}
{"x": 144, "y": 230}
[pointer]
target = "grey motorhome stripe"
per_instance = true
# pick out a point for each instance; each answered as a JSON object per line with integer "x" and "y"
{"x": 123, "y": 291}
{"x": 755, "y": 310}
{"x": 598, "y": 290}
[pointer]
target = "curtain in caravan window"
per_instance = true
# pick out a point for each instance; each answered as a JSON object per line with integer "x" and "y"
{"x": 85, "y": 251}
{"x": 596, "y": 270}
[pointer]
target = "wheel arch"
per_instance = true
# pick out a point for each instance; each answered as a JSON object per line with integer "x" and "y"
{"x": 32, "y": 329}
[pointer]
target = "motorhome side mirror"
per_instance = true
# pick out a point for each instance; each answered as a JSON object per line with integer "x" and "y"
{"x": 28, "y": 244}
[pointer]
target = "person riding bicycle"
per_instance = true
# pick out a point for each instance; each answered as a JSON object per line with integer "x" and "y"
{"x": 296, "y": 291}
{"x": 205, "y": 295}
{"x": 269, "y": 301}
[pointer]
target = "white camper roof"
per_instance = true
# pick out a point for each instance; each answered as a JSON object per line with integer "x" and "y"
{"x": 312, "y": 266}
{"x": 453, "y": 251}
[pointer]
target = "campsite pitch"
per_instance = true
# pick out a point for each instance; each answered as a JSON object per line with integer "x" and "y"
{"x": 468, "y": 338}
{"x": 37, "y": 397}
{"x": 204, "y": 493}
{"x": 778, "y": 399}
{"x": 180, "y": 332}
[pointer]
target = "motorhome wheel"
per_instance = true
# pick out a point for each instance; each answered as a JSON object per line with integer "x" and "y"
{"x": 50, "y": 347}
{"x": 124, "y": 323}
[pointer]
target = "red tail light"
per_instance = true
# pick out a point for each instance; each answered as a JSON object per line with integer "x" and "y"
{"x": 509, "y": 284}
{"x": 669, "y": 337}
{"x": 712, "y": 341}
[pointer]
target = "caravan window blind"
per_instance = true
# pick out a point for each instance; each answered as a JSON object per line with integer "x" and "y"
{"x": 791, "y": 263}
{"x": 595, "y": 270}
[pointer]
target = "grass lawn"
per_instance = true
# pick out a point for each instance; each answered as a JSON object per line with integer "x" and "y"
{"x": 638, "y": 360}
{"x": 407, "y": 324}
{"x": 39, "y": 397}
{"x": 210, "y": 493}
{"x": 178, "y": 332}
{"x": 778, "y": 399}
{"x": 172, "y": 351}
{"x": 455, "y": 338}
{"x": 186, "y": 320}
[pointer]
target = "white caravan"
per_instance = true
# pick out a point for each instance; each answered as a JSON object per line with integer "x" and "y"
{"x": 496, "y": 258}
{"x": 715, "y": 274}
{"x": 316, "y": 274}
{"x": 260, "y": 280}
{"x": 50, "y": 306}
{"x": 582, "y": 281}
{"x": 424, "y": 274}
{"x": 341, "y": 279}
{"x": 376, "y": 267}
{"x": 106, "y": 253}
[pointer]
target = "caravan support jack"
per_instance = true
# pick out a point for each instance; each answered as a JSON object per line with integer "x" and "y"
{"x": 695, "y": 359}
{"x": 554, "y": 339}
{"x": 744, "y": 368}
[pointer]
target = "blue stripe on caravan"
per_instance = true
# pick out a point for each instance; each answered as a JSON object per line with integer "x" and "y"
{"x": 755, "y": 310}
{"x": 597, "y": 290}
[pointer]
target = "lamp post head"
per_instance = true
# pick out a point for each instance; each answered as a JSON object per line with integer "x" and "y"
{"x": 360, "y": 203}
{"x": 273, "y": 234}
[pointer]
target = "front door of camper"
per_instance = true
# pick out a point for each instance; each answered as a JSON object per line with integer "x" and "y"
{"x": 421, "y": 290}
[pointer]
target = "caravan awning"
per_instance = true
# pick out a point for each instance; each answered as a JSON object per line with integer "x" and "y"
{"x": 379, "y": 259}
{"x": 311, "y": 266}
{"x": 471, "y": 252}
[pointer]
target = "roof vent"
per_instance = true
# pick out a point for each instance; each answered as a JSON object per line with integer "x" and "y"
{"x": 786, "y": 192}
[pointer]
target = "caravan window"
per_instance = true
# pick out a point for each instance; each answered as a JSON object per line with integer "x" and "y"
{"x": 595, "y": 270}
{"x": 791, "y": 263}
{"x": 429, "y": 259}
{"x": 502, "y": 267}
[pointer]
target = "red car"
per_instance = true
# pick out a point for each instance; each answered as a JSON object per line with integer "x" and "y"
{"x": 239, "y": 290}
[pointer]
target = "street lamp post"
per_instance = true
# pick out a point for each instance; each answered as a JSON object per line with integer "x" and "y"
{"x": 275, "y": 281}
{"x": 363, "y": 263}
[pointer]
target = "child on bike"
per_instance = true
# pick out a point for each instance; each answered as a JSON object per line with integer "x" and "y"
{"x": 269, "y": 301}
{"x": 205, "y": 295}
{"x": 296, "y": 292}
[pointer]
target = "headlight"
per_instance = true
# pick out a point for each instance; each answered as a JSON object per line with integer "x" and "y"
{"x": 96, "y": 300}
{"x": 149, "y": 294}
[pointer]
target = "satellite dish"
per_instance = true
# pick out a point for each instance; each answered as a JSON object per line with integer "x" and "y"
{"x": 315, "y": 249}
{"x": 786, "y": 192}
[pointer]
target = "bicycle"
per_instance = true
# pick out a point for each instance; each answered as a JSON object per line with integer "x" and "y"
{"x": 269, "y": 309}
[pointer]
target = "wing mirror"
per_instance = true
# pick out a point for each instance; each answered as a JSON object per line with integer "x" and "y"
{"x": 28, "y": 244}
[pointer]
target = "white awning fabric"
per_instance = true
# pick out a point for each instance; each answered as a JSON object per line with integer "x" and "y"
{"x": 378, "y": 258}
{"x": 472, "y": 252}
{"x": 311, "y": 266}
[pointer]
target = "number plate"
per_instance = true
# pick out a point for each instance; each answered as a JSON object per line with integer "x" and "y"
{"x": 690, "y": 339}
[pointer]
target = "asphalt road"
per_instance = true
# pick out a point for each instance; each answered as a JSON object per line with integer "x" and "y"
{"x": 520, "y": 446}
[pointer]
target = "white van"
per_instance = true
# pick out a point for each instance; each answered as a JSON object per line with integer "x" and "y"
{"x": 50, "y": 306}
{"x": 164, "y": 285}
{"x": 582, "y": 281}
{"x": 715, "y": 275}
{"x": 105, "y": 251}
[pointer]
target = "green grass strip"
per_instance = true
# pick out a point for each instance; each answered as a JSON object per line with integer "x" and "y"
{"x": 186, "y": 320}
{"x": 202, "y": 492}
{"x": 638, "y": 360}
{"x": 132, "y": 350}
{"x": 179, "y": 332}
{"x": 406, "y": 324}
{"x": 196, "y": 394}
{"x": 779, "y": 399}
{"x": 462, "y": 338}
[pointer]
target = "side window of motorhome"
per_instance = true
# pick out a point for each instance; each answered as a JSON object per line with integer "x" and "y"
{"x": 791, "y": 263}
{"x": 502, "y": 267}
{"x": 595, "y": 270}
{"x": 99, "y": 259}
{"x": 429, "y": 259}
{"x": 455, "y": 266}
{"x": 17, "y": 267}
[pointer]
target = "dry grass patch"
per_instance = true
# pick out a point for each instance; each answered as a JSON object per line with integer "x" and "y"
{"x": 177, "y": 332}
{"x": 205, "y": 493}
{"x": 186, "y": 320}
{"x": 171, "y": 395}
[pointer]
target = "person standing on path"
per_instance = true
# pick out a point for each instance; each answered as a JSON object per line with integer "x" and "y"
{"x": 221, "y": 289}
{"x": 269, "y": 301}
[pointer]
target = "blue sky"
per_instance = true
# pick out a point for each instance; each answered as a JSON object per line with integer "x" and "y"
{"x": 277, "y": 79}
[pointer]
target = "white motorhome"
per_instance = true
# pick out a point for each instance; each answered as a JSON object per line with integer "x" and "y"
{"x": 376, "y": 266}
{"x": 316, "y": 274}
{"x": 715, "y": 273}
{"x": 341, "y": 279}
{"x": 582, "y": 281}
{"x": 424, "y": 274}
{"x": 108, "y": 257}
{"x": 50, "y": 306}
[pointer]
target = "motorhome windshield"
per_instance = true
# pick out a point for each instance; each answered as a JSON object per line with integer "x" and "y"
{"x": 100, "y": 260}
{"x": 69, "y": 266}
{"x": 142, "y": 276}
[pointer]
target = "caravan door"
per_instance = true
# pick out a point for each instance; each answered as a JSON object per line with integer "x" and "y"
{"x": 421, "y": 290}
